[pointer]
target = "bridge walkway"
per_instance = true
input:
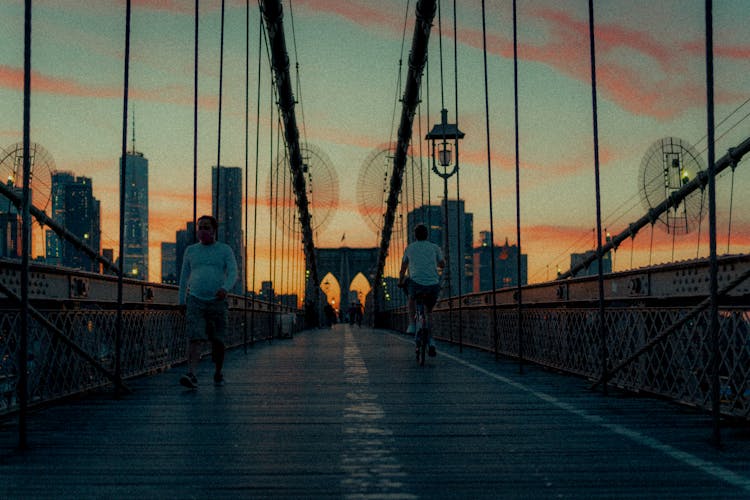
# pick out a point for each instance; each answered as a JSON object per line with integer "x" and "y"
{"x": 346, "y": 413}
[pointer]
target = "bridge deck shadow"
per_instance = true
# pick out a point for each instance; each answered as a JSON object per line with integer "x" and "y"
{"x": 346, "y": 412}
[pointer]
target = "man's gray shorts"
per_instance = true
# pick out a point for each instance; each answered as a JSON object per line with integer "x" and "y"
{"x": 206, "y": 320}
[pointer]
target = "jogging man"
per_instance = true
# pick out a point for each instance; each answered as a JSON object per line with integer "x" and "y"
{"x": 209, "y": 270}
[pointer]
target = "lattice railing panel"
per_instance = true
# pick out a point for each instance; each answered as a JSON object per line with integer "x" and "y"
{"x": 678, "y": 367}
{"x": 152, "y": 340}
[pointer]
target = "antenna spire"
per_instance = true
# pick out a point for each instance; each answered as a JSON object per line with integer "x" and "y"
{"x": 133, "y": 150}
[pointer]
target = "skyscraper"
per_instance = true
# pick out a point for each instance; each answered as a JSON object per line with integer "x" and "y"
{"x": 460, "y": 234}
{"x": 135, "y": 254}
{"x": 10, "y": 225}
{"x": 82, "y": 212}
{"x": 593, "y": 268}
{"x": 169, "y": 263}
{"x": 183, "y": 239}
{"x": 53, "y": 244}
{"x": 75, "y": 208}
{"x": 226, "y": 206}
{"x": 506, "y": 264}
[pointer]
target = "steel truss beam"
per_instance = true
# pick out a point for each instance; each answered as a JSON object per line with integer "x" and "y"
{"x": 731, "y": 159}
{"x": 272, "y": 13}
{"x": 425, "y": 12}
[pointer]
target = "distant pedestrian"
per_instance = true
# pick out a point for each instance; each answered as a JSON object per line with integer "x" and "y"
{"x": 330, "y": 314}
{"x": 209, "y": 271}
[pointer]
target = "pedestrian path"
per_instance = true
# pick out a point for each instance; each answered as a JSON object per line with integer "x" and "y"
{"x": 347, "y": 413}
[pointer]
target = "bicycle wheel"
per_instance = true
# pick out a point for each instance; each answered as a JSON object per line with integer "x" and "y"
{"x": 422, "y": 346}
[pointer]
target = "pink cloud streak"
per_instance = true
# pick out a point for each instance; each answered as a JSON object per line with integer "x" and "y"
{"x": 12, "y": 78}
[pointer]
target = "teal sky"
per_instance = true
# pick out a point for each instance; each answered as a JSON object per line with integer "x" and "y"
{"x": 650, "y": 75}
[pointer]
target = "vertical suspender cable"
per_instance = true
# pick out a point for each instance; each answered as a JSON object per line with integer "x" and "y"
{"x": 123, "y": 172}
{"x": 255, "y": 193}
{"x": 519, "y": 285}
{"x": 713, "y": 262}
{"x": 489, "y": 182}
{"x": 274, "y": 235}
{"x": 247, "y": 151}
{"x": 429, "y": 179}
{"x": 602, "y": 331}
{"x": 217, "y": 194}
{"x": 446, "y": 234}
{"x": 731, "y": 206}
{"x": 195, "y": 125}
{"x": 22, "y": 388}
{"x": 421, "y": 164}
{"x": 274, "y": 167}
{"x": 460, "y": 237}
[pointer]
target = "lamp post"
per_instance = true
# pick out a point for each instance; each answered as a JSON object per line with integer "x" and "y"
{"x": 444, "y": 138}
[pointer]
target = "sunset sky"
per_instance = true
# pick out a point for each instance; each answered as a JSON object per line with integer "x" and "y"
{"x": 651, "y": 84}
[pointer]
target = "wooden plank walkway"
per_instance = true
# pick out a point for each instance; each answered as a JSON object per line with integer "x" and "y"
{"x": 346, "y": 413}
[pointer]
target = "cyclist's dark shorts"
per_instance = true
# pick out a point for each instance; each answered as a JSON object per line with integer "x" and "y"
{"x": 429, "y": 292}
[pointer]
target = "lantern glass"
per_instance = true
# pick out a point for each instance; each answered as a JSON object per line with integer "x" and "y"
{"x": 445, "y": 155}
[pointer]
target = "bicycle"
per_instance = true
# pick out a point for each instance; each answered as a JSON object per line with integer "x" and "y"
{"x": 423, "y": 331}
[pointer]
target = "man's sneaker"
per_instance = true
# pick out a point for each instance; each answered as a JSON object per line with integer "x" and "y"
{"x": 189, "y": 380}
{"x": 412, "y": 328}
{"x": 218, "y": 379}
{"x": 431, "y": 352}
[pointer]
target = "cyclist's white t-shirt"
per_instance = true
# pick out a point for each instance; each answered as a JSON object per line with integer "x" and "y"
{"x": 423, "y": 257}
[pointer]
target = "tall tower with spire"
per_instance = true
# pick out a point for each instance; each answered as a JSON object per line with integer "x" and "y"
{"x": 134, "y": 260}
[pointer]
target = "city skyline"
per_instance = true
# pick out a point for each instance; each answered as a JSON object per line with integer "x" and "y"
{"x": 651, "y": 84}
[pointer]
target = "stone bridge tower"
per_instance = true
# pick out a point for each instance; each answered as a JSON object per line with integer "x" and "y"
{"x": 344, "y": 264}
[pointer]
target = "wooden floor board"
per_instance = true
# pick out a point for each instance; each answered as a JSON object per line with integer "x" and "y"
{"x": 347, "y": 413}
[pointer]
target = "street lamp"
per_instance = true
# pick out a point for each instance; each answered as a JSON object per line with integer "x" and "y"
{"x": 445, "y": 165}
{"x": 442, "y": 150}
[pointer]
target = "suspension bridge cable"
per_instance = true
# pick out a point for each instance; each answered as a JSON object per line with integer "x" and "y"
{"x": 298, "y": 82}
{"x": 217, "y": 193}
{"x": 519, "y": 284}
{"x": 604, "y": 354}
{"x": 22, "y": 389}
{"x": 489, "y": 181}
{"x": 261, "y": 28}
{"x": 284, "y": 226}
{"x": 247, "y": 172}
{"x": 273, "y": 195}
{"x": 398, "y": 76}
{"x": 123, "y": 175}
{"x": 723, "y": 120}
{"x": 460, "y": 238}
{"x": 446, "y": 235}
{"x": 195, "y": 123}
{"x": 713, "y": 262}
{"x": 440, "y": 52}
{"x": 275, "y": 209}
{"x": 731, "y": 205}
{"x": 427, "y": 117}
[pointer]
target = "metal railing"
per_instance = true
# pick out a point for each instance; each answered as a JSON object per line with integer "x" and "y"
{"x": 656, "y": 323}
{"x": 71, "y": 347}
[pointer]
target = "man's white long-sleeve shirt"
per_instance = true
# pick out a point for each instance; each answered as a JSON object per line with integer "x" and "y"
{"x": 206, "y": 269}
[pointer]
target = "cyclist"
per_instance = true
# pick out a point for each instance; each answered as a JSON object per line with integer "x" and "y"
{"x": 422, "y": 259}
